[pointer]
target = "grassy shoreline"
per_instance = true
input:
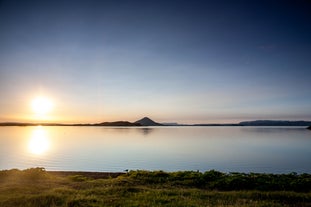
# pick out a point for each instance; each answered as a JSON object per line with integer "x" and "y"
{"x": 37, "y": 187}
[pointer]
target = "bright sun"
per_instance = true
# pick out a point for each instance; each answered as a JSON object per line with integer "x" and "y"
{"x": 41, "y": 106}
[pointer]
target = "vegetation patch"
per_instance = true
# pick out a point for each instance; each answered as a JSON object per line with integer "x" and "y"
{"x": 35, "y": 187}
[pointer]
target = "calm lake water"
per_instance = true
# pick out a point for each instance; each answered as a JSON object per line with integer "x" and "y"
{"x": 227, "y": 149}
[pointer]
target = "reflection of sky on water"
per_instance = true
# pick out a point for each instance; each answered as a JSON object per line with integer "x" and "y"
{"x": 143, "y": 130}
{"x": 167, "y": 148}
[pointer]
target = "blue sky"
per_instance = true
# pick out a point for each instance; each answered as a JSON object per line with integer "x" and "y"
{"x": 185, "y": 61}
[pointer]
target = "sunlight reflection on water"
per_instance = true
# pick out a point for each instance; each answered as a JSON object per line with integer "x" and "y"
{"x": 39, "y": 142}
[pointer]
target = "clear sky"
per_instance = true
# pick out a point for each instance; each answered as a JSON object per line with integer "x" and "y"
{"x": 173, "y": 60}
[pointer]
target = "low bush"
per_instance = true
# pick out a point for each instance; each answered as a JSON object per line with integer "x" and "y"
{"x": 215, "y": 180}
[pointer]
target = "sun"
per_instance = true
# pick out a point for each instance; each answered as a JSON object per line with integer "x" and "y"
{"x": 41, "y": 106}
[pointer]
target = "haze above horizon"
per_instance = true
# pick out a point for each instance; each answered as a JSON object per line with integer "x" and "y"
{"x": 175, "y": 61}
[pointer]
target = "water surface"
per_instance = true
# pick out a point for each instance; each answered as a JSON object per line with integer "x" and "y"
{"x": 228, "y": 149}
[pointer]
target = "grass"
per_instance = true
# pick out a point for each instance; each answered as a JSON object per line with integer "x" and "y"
{"x": 35, "y": 187}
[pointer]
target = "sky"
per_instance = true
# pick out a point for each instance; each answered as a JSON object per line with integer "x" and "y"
{"x": 173, "y": 61}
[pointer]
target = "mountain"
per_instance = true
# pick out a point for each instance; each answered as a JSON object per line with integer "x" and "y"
{"x": 275, "y": 123}
{"x": 118, "y": 123}
{"x": 147, "y": 122}
{"x": 309, "y": 128}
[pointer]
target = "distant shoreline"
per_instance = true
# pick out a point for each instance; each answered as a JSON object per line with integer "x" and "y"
{"x": 136, "y": 124}
{"x": 146, "y": 121}
{"x": 106, "y": 125}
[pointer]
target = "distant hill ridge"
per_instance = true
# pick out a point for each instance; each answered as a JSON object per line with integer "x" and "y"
{"x": 117, "y": 123}
{"x": 275, "y": 123}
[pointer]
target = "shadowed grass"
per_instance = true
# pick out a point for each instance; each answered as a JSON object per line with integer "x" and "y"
{"x": 36, "y": 187}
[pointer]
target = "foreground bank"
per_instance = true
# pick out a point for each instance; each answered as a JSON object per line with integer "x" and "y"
{"x": 36, "y": 187}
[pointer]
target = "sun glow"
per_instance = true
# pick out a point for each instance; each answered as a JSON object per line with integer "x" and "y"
{"x": 41, "y": 106}
{"x": 39, "y": 142}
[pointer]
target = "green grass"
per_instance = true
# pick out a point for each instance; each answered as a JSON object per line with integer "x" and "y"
{"x": 36, "y": 187}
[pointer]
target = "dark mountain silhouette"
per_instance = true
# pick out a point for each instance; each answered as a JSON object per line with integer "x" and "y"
{"x": 275, "y": 123}
{"x": 309, "y": 128}
{"x": 118, "y": 123}
{"x": 147, "y": 122}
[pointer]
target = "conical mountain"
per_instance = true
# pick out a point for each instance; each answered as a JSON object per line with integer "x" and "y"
{"x": 147, "y": 122}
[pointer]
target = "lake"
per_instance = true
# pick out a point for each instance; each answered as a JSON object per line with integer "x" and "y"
{"x": 115, "y": 149}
